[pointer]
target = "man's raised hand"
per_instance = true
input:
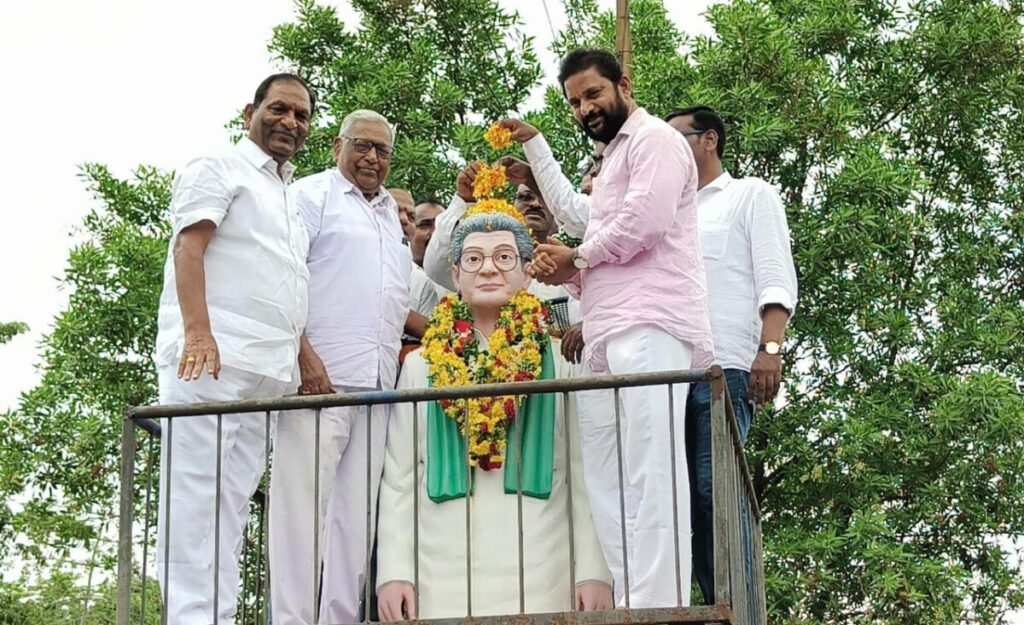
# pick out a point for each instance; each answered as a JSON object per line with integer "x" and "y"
{"x": 464, "y": 182}
{"x": 518, "y": 172}
{"x": 521, "y": 131}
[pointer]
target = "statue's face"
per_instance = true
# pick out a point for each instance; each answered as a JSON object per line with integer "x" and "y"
{"x": 490, "y": 271}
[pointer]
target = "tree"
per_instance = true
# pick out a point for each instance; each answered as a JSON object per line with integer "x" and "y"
{"x": 894, "y": 134}
{"x": 10, "y": 330}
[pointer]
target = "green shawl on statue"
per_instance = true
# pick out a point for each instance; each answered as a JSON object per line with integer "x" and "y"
{"x": 446, "y": 447}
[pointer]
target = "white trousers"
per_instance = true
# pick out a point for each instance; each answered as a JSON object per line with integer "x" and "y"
{"x": 340, "y": 513}
{"x": 190, "y": 536}
{"x": 653, "y": 531}
{"x": 596, "y": 414}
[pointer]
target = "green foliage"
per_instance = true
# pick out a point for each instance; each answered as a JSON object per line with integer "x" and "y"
{"x": 894, "y": 134}
{"x": 61, "y": 598}
{"x": 10, "y": 330}
{"x": 60, "y": 448}
{"x": 439, "y": 71}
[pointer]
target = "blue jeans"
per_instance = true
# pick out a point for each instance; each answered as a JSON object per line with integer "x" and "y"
{"x": 698, "y": 458}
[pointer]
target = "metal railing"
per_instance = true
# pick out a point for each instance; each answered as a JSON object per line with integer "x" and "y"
{"x": 739, "y": 595}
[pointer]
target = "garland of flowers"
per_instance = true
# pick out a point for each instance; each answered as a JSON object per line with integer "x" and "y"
{"x": 514, "y": 353}
{"x": 493, "y": 205}
{"x": 489, "y": 180}
{"x": 498, "y": 136}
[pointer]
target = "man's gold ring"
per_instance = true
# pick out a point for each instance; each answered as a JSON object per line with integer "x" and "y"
{"x": 190, "y": 359}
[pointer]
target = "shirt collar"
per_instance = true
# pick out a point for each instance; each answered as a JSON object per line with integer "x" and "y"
{"x": 383, "y": 197}
{"x": 260, "y": 159}
{"x": 633, "y": 122}
{"x": 719, "y": 183}
{"x": 635, "y": 119}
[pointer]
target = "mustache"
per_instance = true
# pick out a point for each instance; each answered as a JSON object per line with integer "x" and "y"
{"x": 592, "y": 117}
{"x": 285, "y": 131}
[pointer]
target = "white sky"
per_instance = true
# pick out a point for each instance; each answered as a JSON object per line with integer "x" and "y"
{"x": 125, "y": 83}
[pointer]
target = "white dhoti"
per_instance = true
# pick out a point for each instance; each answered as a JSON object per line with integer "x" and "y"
{"x": 190, "y": 536}
{"x": 654, "y": 530}
{"x": 340, "y": 514}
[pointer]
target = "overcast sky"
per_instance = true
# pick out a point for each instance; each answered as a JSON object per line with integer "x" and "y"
{"x": 124, "y": 83}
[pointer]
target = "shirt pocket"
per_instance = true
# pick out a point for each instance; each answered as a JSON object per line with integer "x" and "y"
{"x": 714, "y": 239}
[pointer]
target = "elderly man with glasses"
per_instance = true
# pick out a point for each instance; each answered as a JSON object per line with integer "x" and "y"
{"x": 359, "y": 298}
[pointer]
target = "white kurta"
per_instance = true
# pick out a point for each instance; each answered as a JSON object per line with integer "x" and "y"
{"x": 494, "y": 528}
{"x": 359, "y": 297}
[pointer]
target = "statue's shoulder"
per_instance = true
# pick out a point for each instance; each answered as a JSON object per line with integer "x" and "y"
{"x": 414, "y": 370}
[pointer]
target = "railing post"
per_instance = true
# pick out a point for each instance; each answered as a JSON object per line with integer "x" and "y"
{"x": 124, "y": 528}
{"x": 721, "y": 456}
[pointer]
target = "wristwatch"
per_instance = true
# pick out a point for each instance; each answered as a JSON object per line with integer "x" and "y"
{"x": 578, "y": 261}
{"x": 772, "y": 348}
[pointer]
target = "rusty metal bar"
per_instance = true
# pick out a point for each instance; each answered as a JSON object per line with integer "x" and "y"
{"x": 245, "y": 568}
{"x": 216, "y": 520}
{"x": 312, "y": 402}
{"x": 697, "y": 615}
{"x": 675, "y": 494}
{"x": 369, "y": 512}
{"x": 316, "y": 516}
{"x": 124, "y": 539}
{"x": 169, "y": 442}
{"x": 520, "y": 425}
{"x": 568, "y": 485}
{"x": 741, "y": 460}
{"x": 719, "y": 490}
{"x": 145, "y": 536}
{"x": 762, "y": 599}
{"x": 469, "y": 526}
{"x": 416, "y": 506}
{"x": 264, "y": 584}
{"x": 737, "y": 565}
{"x": 622, "y": 498}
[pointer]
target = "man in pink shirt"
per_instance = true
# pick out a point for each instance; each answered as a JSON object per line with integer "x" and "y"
{"x": 640, "y": 276}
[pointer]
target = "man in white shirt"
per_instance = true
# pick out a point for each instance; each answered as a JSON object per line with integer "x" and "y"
{"x": 233, "y": 305}
{"x": 359, "y": 298}
{"x": 752, "y": 290}
{"x": 405, "y": 203}
{"x": 423, "y": 291}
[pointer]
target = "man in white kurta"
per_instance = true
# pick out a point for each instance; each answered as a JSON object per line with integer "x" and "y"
{"x": 440, "y": 564}
{"x": 231, "y": 311}
{"x": 359, "y": 297}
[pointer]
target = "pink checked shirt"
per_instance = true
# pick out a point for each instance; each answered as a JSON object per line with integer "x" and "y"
{"x": 642, "y": 243}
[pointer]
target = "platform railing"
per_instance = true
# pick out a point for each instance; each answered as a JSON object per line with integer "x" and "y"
{"x": 739, "y": 595}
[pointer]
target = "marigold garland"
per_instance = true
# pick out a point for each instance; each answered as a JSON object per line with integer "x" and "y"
{"x": 514, "y": 353}
{"x": 498, "y": 136}
{"x": 488, "y": 180}
{"x": 492, "y": 205}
